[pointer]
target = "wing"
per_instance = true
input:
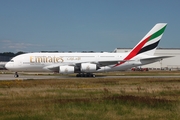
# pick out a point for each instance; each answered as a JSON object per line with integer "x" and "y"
{"x": 55, "y": 67}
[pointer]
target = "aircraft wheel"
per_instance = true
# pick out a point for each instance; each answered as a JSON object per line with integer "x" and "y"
{"x": 91, "y": 75}
{"x": 77, "y": 75}
{"x": 16, "y": 75}
{"x": 88, "y": 75}
{"x": 83, "y": 75}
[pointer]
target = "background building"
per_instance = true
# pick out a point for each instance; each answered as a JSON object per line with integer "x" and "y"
{"x": 172, "y": 63}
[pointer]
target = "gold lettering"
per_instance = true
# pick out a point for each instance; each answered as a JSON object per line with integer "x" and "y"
{"x": 57, "y": 59}
{"x": 50, "y": 59}
{"x": 46, "y": 59}
{"x": 61, "y": 59}
{"x": 73, "y": 58}
{"x": 38, "y": 59}
{"x": 31, "y": 59}
{"x": 53, "y": 59}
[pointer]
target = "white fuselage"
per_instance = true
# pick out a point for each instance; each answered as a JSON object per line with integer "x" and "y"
{"x": 42, "y": 61}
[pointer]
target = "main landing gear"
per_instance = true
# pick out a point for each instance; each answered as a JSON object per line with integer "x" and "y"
{"x": 85, "y": 75}
{"x": 16, "y": 75}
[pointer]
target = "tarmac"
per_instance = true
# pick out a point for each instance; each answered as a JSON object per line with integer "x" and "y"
{"x": 36, "y": 77}
{"x": 28, "y": 77}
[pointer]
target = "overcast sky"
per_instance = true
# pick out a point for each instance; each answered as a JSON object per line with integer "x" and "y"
{"x": 84, "y": 25}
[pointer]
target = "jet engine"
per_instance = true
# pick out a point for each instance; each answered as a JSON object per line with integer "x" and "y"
{"x": 84, "y": 68}
{"x": 88, "y": 67}
{"x": 66, "y": 69}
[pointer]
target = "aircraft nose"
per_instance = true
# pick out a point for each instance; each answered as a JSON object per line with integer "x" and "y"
{"x": 8, "y": 66}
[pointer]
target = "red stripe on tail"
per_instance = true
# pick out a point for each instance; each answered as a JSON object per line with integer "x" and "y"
{"x": 134, "y": 51}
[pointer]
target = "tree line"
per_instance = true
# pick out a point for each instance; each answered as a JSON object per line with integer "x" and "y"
{"x": 11, "y": 54}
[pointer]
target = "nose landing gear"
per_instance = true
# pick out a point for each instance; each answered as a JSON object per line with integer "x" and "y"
{"x": 16, "y": 75}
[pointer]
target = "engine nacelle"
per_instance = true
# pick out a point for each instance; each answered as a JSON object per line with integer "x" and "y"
{"x": 66, "y": 69}
{"x": 88, "y": 67}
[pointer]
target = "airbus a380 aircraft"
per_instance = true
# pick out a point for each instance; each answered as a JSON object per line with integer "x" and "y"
{"x": 85, "y": 64}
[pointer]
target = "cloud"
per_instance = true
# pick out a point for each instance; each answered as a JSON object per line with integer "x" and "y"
{"x": 6, "y": 41}
{"x": 8, "y": 45}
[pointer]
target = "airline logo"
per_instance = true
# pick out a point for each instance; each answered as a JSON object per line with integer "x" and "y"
{"x": 52, "y": 59}
{"x": 46, "y": 59}
{"x": 143, "y": 45}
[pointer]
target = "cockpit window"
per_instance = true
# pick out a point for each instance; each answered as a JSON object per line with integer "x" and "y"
{"x": 11, "y": 60}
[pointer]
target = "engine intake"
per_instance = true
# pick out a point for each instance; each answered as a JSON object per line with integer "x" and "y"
{"x": 66, "y": 69}
{"x": 88, "y": 67}
{"x": 85, "y": 67}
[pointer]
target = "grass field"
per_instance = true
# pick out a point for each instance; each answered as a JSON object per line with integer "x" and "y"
{"x": 92, "y": 98}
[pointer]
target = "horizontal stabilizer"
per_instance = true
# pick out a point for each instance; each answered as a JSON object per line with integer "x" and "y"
{"x": 156, "y": 58}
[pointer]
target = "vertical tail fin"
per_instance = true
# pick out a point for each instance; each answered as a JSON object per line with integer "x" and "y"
{"x": 150, "y": 41}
